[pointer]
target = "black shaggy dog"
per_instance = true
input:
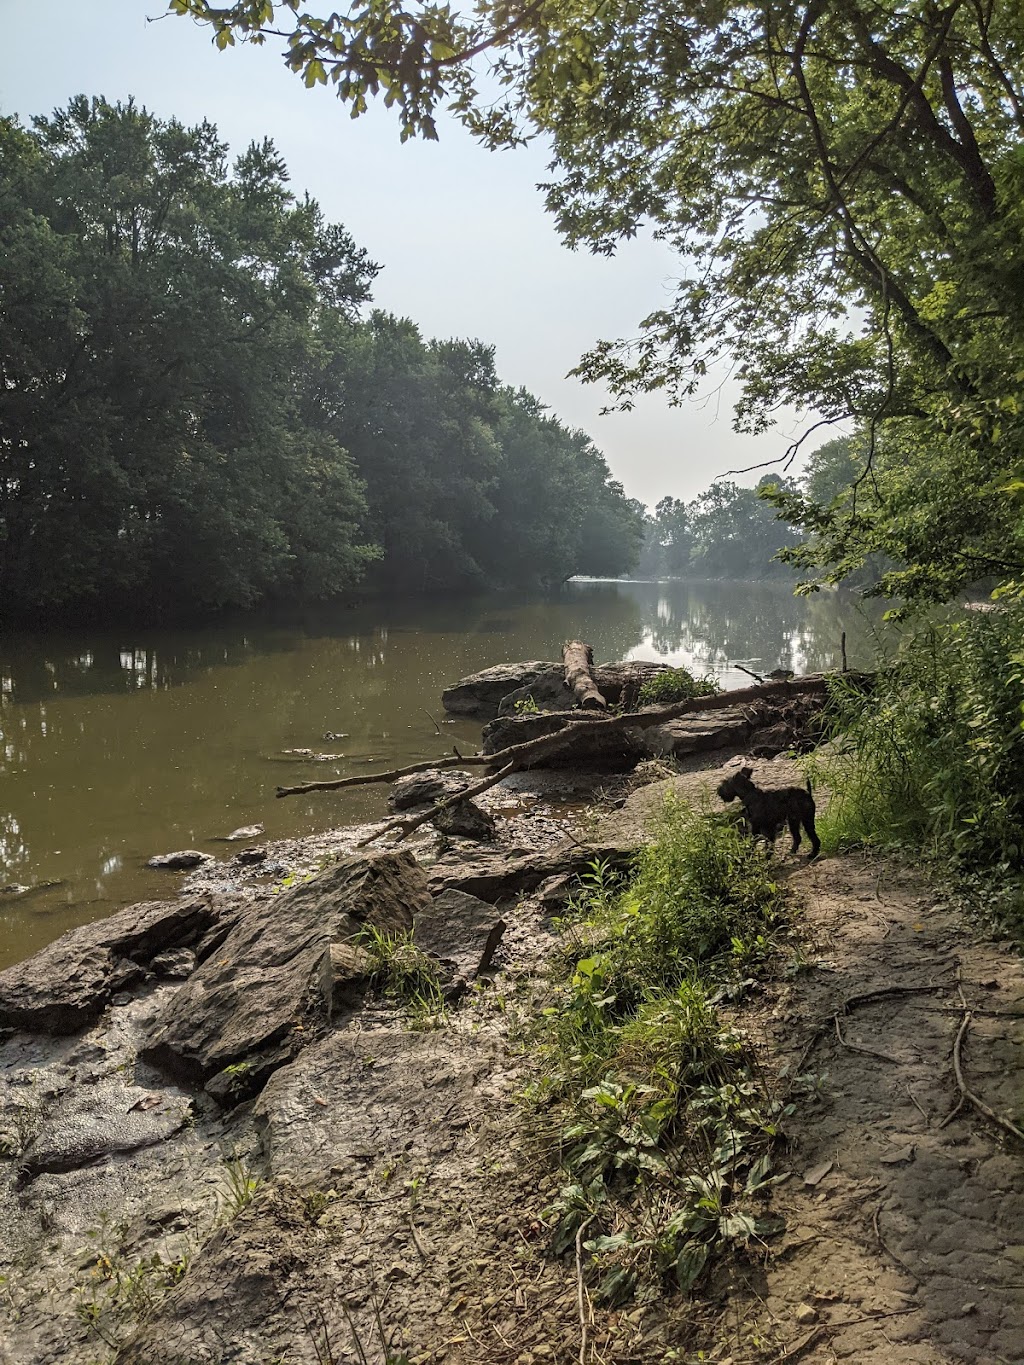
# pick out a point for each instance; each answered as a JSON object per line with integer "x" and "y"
{"x": 768, "y": 810}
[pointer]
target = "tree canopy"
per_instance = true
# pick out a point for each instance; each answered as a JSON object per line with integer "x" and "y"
{"x": 843, "y": 183}
{"x": 195, "y": 410}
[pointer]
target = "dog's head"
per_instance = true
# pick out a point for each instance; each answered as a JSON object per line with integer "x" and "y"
{"x": 736, "y": 785}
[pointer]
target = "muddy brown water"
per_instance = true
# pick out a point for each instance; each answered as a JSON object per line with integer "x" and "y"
{"x": 118, "y": 744}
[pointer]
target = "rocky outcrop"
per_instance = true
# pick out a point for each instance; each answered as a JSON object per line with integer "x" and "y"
{"x": 460, "y": 933}
{"x": 69, "y": 983}
{"x": 270, "y": 987}
{"x": 423, "y": 789}
{"x": 494, "y": 877}
{"x": 495, "y": 691}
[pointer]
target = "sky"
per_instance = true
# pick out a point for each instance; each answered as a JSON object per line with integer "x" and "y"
{"x": 466, "y": 246}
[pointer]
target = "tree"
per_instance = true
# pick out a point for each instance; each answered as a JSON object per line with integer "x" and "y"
{"x": 161, "y": 440}
{"x": 842, "y": 181}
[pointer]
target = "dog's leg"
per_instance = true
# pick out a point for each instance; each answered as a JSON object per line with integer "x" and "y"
{"x": 812, "y": 834}
{"x": 794, "y": 829}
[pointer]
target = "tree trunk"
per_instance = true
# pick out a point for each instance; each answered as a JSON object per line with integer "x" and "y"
{"x": 579, "y": 663}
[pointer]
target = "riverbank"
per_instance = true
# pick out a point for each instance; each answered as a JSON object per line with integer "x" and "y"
{"x": 384, "y": 1181}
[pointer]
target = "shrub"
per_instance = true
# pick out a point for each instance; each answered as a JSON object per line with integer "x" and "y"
{"x": 675, "y": 684}
{"x": 933, "y": 758}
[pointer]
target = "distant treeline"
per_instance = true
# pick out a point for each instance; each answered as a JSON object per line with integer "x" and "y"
{"x": 196, "y": 410}
{"x": 725, "y": 532}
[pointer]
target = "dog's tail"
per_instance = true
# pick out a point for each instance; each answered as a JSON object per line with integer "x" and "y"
{"x": 809, "y": 791}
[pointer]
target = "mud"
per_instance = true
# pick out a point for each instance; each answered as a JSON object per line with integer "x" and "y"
{"x": 384, "y": 1191}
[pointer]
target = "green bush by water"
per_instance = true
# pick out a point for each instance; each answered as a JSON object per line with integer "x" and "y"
{"x": 675, "y": 684}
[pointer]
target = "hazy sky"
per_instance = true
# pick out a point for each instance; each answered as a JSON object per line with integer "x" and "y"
{"x": 466, "y": 246}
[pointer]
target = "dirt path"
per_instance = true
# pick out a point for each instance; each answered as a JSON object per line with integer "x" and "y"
{"x": 910, "y": 1248}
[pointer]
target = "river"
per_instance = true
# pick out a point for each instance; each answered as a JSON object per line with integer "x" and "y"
{"x": 118, "y": 744}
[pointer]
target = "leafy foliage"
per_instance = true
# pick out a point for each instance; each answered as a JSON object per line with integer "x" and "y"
{"x": 842, "y": 184}
{"x": 933, "y": 758}
{"x": 659, "y": 1114}
{"x": 675, "y": 684}
{"x": 194, "y": 412}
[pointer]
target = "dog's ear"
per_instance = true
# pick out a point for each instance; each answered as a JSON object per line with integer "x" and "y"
{"x": 746, "y": 772}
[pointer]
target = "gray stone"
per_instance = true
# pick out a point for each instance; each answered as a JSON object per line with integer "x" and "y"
{"x": 268, "y": 988}
{"x": 71, "y": 981}
{"x": 178, "y": 862}
{"x": 493, "y": 876}
{"x": 249, "y": 856}
{"x": 177, "y": 963}
{"x": 466, "y": 819}
{"x": 461, "y": 932}
{"x": 423, "y": 789}
{"x": 697, "y": 734}
{"x": 96, "y": 1121}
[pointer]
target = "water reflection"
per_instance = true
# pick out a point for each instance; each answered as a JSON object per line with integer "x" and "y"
{"x": 115, "y": 747}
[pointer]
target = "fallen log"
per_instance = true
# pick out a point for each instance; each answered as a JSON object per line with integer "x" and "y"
{"x": 531, "y": 752}
{"x": 579, "y": 675}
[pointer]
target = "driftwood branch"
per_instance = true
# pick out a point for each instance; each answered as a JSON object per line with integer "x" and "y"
{"x": 408, "y": 823}
{"x": 579, "y": 675}
{"x": 533, "y": 751}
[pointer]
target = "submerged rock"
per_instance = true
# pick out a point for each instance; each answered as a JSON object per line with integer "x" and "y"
{"x": 179, "y": 861}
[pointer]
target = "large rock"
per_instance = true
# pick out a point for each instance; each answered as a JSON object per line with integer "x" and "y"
{"x": 69, "y": 983}
{"x": 493, "y": 877}
{"x": 465, "y": 819}
{"x": 697, "y": 734}
{"x": 482, "y": 692}
{"x": 270, "y": 985}
{"x": 423, "y": 789}
{"x": 180, "y": 861}
{"x": 461, "y": 933}
{"x": 612, "y": 750}
{"x": 494, "y": 691}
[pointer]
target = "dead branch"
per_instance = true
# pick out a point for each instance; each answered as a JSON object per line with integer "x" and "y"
{"x": 407, "y": 825}
{"x": 532, "y": 751}
{"x": 578, "y": 659}
{"x": 865, "y": 1051}
{"x": 968, "y": 1095}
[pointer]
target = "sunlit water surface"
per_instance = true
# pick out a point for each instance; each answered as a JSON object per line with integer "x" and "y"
{"x": 115, "y": 745}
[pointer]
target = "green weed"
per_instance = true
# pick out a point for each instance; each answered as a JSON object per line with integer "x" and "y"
{"x": 401, "y": 972}
{"x": 656, "y": 1109}
{"x": 675, "y": 684}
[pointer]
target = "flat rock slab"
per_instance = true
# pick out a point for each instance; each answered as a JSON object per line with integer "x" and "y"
{"x": 461, "y": 932}
{"x": 696, "y": 734}
{"x": 595, "y": 743}
{"x": 96, "y": 1121}
{"x": 70, "y": 982}
{"x": 268, "y": 987}
{"x": 492, "y": 876}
